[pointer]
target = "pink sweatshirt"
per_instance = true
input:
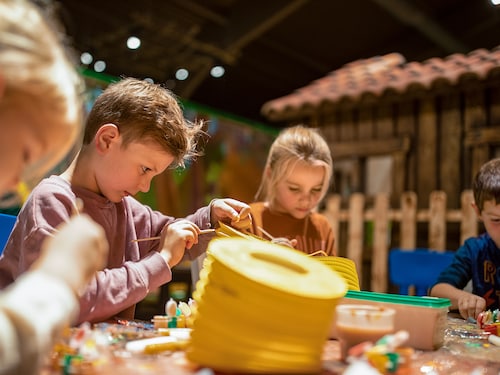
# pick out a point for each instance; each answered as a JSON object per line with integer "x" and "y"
{"x": 133, "y": 268}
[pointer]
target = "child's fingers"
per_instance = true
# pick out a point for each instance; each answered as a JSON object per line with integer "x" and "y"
{"x": 189, "y": 244}
{"x": 244, "y": 211}
{"x": 232, "y": 209}
{"x": 242, "y": 223}
{"x": 189, "y": 234}
{"x": 244, "y": 215}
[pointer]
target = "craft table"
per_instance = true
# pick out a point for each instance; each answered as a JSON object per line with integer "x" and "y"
{"x": 465, "y": 351}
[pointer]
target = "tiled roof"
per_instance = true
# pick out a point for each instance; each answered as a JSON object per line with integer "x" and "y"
{"x": 381, "y": 74}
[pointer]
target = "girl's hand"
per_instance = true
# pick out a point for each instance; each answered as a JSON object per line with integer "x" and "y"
{"x": 176, "y": 238}
{"x": 232, "y": 212}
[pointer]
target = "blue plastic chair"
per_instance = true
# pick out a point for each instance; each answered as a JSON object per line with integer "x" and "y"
{"x": 6, "y": 224}
{"x": 419, "y": 268}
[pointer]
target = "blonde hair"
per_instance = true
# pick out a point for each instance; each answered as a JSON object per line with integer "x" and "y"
{"x": 293, "y": 144}
{"x": 144, "y": 111}
{"x": 35, "y": 68}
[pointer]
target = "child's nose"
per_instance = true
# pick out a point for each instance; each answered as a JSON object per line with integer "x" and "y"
{"x": 306, "y": 197}
{"x": 145, "y": 185}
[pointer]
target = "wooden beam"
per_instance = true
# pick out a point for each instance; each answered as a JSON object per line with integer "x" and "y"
{"x": 480, "y": 136}
{"x": 370, "y": 147}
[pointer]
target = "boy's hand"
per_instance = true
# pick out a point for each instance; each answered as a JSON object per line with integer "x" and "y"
{"x": 470, "y": 305}
{"x": 177, "y": 237}
{"x": 231, "y": 211}
{"x": 75, "y": 252}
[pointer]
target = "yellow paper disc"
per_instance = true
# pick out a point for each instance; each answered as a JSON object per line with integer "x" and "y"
{"x": 262, "y": 308}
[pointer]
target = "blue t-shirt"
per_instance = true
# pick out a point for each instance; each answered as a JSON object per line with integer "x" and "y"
{"x": 478, "y": 259}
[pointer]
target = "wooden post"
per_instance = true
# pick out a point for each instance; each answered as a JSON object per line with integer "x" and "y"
{"x": 437, "y": 221}
{"x": 468, "y": 225}
{"x": 408, "y": 232}
{"x": 355, "y": 232}
{"x": 380, "y": 243}
{"x": 426, "y": 150}
{"x": 398, "y": 176}
{"x": 332, "y": 213}
{"x": 450, "y": 148}
{"x": 474, "y": 116}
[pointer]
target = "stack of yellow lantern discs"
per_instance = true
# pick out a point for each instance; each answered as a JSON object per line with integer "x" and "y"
{"x": 262, "y": 308}
{"x": 344, "y": 267}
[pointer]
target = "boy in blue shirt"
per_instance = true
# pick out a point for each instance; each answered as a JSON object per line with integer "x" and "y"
{"x": 478, "y": 259}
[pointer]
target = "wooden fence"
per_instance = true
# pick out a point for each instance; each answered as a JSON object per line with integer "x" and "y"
{"x": 383, "y": 217}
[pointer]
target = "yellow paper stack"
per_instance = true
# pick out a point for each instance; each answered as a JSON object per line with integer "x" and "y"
{"x": 344, "y": 267}
{"x": 262, "y": 308}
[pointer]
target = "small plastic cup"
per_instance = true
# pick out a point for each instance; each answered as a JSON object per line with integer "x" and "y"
{"x": 359, "y": 323}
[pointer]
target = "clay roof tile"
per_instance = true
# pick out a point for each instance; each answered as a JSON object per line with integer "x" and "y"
{"x": 379, "y": 75}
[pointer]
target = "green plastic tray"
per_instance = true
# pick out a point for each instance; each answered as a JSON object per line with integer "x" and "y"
{"x": 423, "y": 301}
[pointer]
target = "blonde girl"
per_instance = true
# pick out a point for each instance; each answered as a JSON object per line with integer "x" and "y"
{"x": 296, "y": 178}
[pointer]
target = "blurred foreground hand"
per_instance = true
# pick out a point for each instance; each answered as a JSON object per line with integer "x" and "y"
{"x": 75, "y": 252}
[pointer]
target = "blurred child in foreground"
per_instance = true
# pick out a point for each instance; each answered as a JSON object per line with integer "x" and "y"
{"x": 40, "y": 117}
{"x": 296, "y": 178}
{"x": 478, "y": 259}
{"x": 134, "y": 131}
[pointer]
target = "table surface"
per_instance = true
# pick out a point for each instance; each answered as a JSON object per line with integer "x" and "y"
{"x": 466, "y": 350}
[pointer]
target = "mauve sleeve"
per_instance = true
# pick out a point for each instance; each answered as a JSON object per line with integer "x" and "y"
{"x": 117, "y": 289}
{"x": 201, "y": 218}
{"x": 134, "y": 268}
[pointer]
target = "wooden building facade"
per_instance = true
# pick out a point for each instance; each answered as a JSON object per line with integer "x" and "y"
{"x": 435, "y": 122}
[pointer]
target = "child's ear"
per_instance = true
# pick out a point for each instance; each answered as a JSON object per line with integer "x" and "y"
{"x": 106, "y": 136}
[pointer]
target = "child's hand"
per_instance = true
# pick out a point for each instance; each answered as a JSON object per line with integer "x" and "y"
{"x": 470, "y": 305}
{"x": 176, "y": 238}
{"x": 75, "y": 252}
{"x": 232, "y": 212}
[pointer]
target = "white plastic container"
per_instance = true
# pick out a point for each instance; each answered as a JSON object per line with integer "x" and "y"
{"x": 423, "y": 317}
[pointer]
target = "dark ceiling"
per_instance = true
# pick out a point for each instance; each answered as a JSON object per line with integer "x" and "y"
{"x": 269, "y": 47}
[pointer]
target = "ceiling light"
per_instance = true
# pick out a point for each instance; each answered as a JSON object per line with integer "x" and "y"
{"x": 217, "y": 71}
{"x": 133, "y": 42}
{"x": 181, "y": 74}
{"x": 495, "y": 2}
{"x": 86, "y": 58}
{"x": 99, "y": 66}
